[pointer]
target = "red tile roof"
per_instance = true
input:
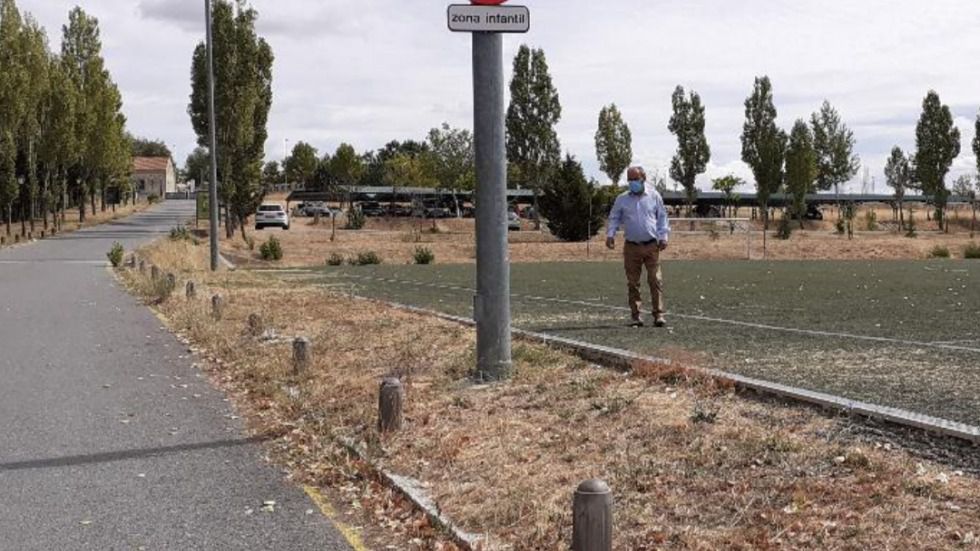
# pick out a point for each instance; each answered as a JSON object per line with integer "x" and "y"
{"x": 150, "y": 164}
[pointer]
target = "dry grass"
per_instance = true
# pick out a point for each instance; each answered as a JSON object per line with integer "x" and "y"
{"x": 693, "y": 465}
{"x": 71, "y": 220}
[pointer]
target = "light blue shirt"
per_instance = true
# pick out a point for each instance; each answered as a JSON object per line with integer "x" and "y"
{"x": 642, "y": 217}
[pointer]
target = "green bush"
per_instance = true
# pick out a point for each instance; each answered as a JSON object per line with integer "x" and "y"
{"x": 335, "y": 260}
{"x": 152, "y": 198}
{"x": 369, "y": 258}
{"x": 271, "y": 249}
{"x": 785, "y": 228}
{"x": 355, "y": 219}
{"x": 424, "y": 255}
{"x": 572, "y": 205}
{"x": 972, "y": 251}
{"x": 180, "y": 233}
{"x": 939, "y": 251}
{"x": 871, "y": 220}
{"x": 115, "y": 255}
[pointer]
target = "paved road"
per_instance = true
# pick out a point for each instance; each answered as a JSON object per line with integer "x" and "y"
{"x": 109, "y": 439}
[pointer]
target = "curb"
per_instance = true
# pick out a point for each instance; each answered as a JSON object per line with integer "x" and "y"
{"x": 625, "y": 359}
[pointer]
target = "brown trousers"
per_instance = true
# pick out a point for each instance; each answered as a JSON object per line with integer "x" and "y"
{"x": 635, "y": 258}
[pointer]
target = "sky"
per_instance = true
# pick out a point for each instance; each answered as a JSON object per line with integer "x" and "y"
{"x": 370, "y": 71}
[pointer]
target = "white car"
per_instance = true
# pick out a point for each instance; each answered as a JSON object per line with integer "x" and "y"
{"x": 271, "y": 215}
{"x": 513, "y": 221}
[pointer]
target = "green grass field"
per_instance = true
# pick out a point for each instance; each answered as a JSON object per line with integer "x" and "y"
{"x": 903, "y": 334}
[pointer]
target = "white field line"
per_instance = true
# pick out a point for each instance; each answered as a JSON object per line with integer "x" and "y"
{"x": 812, "y": 332}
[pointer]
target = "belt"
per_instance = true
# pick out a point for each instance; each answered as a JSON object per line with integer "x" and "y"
{"x": 642, "y": 243}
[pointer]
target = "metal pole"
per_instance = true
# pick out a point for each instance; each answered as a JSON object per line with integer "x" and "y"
{"x": 492, "y": 301}
{"x": 213, "y": 191}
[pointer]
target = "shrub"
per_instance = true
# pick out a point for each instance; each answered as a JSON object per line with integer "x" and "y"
{"x": 424, "y": 255}
{"x": 153, "y": 198}
{"x": 572, "y": 205}
{"x": 785, "y": 228}
{"x": 355, "y": 219}
{"x": 972, "y": 251}
{"x": 271, "y": 249}
{"x": 115, "y": 255}
{"x": 939, "y": 251}
{"x": 871, "y": 220}
{"x": 840, "y": 226}
{"x": 335, "y": 260}
{"x": 910, "y": 226}
{"x": 369, "y": 258}
{"x": 180, "y": 233}
{"x": 250, "y": 241}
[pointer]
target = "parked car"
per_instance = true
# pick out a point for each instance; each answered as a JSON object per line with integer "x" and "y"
{"x": 271, "y": 215}
{"x": 372, "y": 209}
{"x": 313, "y": 209}
{"x": 513, "y": 221}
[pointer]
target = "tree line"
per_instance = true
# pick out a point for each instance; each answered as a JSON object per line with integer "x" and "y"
{"x": 62, "y": 132}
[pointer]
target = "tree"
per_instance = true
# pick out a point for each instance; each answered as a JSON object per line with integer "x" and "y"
{"x": 834, "y": 145}
{"x": 14, "y": 82}
{"x": 966, "y": 188}
{"x": 728, "y": 185}
{"x": 243, "y": 97}
{"x": 144, "y": 147}
{"x": 453, "y": 159}
{"x": 898, "y": 176}
{"x": 197, "y": 167}
{"x": 271, "y": 174}
{"x": 33, "y": 56}
{"x": 301, "y": 165}
{"x": 373, "y": 173}
{"x": 801, "y": 167}
{"x": 937, "y": 142}
{"x": 613, "y": 143}
{"x": 693, "y": 153}
{"x": 404, "y": 170}
{"x": 346, "y": 166}
{"x": 763, "y": 144}
{"x": 57, "y": 151}
{"x": 532, "y": 141}
{"x": 572, "y": 205}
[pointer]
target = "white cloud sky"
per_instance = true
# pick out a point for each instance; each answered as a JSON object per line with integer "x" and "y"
{"x": 369, "y": 71}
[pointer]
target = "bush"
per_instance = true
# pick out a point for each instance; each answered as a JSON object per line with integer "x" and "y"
{"x": 180, "y": 233}
{"x": 840, "y": 226}
{"x": 271, "y": 249}
{"x": 369, "y": 258}
{"x": 939, "y": 251}
{"x": 566, "y": 202}
{"x": 424, "y": 255}
{"x": 355, "y": 219}
{"x": 871, "y": 220}
{"x": 335, "y": 260}
{"x": 785, "y": 228}
{"x": 115, "y": 255}
{"x": 972, "y": 251}
{"x": 152, "y": 198}
{"x": 910, "y": 226}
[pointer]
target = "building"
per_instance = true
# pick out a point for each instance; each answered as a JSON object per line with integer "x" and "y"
{"x": 154, "y": 176}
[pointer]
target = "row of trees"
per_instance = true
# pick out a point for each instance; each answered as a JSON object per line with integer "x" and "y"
{"x": 62, "y": 131}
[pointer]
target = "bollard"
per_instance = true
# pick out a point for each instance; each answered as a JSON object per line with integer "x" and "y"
{"x": 217, "y": 307}
{"x": 16, "y": 238}
{"x": 154, "y": 273}
{"x": 592, "y": 517}
{"x": 191, "y": 291}
{"x": 3, "y": 240}
{"x": 171, "y": 283}
{"x": 30, "y": 236}
{"x": 142, "y": 266}
{"x": 42, "y": 234}
{"x": 255, "y": 325}
{"x": 131, "y": 263}
{"x": 302, "y": 355}
{"x": 391, "y": 399}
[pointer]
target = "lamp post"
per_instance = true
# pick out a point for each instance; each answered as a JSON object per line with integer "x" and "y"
{"x": 213, "y": 188}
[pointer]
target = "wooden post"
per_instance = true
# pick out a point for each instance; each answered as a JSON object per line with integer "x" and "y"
{"x": 255, "y": 325}
{"x": 217, "y": 307}
{"x": 142, "y": 266}
{"x": 191, "y": 291}
{"x": 592, "y": 517}
{"x": 154, "y": 273}
{"x": 171, "y": 283}
{"x": 302, "y": 355}
{"x": 3, "y": 240}
{"x": 391, "y": 400}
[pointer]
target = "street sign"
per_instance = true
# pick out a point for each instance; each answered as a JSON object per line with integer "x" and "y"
{"x": 468, "y": 18}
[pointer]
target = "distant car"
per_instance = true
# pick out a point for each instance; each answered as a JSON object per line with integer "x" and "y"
{"x": 313, "y": 209}
{"x": 271, "y": 215}
{"x": 372, "y": 209}
{"x": 513, "y": 221}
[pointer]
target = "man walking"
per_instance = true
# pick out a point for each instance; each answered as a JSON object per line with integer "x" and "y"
{"x": 641, "y": 213}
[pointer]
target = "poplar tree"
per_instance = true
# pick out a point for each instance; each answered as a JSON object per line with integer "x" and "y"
{"x": 14, "y": 81}
{"x": 763, "y": 144}
{"x": 693, "y": 153}
{"x": 532, "y": 141}
{"x": 834, "y": 144}
{"x": 898, "y": 176}
{"x": 801, "y": 166}
{"x": 613, "y": 143}
{"x": 937, "y": 142}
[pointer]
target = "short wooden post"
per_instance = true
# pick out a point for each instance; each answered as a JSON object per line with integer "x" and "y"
{"x": 142, "y": 266}
{"x": 302, "y": 355}
{"x": 217, "y": 307}
{"x": 255, "y": 325}
{"x": 132, "y": 261}
{"x": 154, "y": 273}
{"x": 171, "y": 282}
{"x": 30, "y": 236}
{"x": 42, "y": 234}
{"x": 3, "y": 240}
{"x": 391, "y": 400}
{"x": 16, "y": 238}
{"x": 191, "y": 291}
{"x": 592, "y": 512}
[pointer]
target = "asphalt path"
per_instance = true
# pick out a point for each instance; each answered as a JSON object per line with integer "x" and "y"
{"x": 110, "y": 439}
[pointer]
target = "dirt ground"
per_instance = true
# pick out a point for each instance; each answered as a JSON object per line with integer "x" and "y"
{"x": 453, "y": 241}
{"x": 693, "y": 465}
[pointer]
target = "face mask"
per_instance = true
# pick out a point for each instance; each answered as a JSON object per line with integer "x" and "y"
{"x": 637, "y": 187}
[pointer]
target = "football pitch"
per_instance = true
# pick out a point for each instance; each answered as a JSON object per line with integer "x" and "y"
{"x": 895, "y": 333}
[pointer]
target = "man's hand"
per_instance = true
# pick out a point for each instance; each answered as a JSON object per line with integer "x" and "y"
{"x": 662, "y": 245}
{"x": 611, "y": 243}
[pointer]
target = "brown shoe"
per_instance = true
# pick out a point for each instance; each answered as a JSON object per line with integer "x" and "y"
{"x": 659, "y": 320}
